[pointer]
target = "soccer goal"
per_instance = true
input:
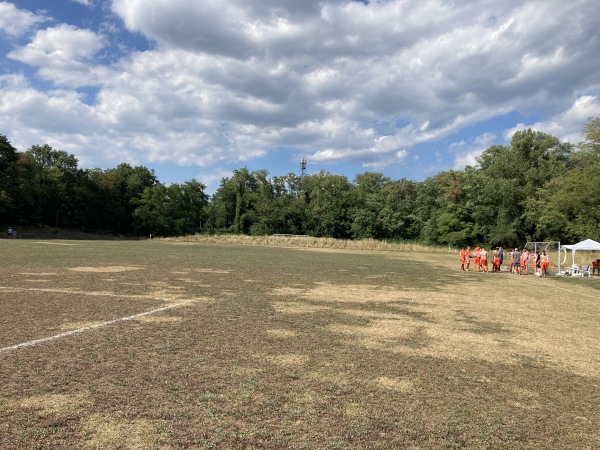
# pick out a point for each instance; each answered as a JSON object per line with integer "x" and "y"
{"x": 290, "y": 240}
{"x": 552, "y": 249}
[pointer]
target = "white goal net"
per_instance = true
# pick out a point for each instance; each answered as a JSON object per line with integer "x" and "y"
{"x": 552, "y": 249}
{"x": 290, "y": 240}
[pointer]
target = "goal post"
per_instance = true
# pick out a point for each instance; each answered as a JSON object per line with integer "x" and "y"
{"x": 552, "y": 249}
{"x": 290, "y": 240}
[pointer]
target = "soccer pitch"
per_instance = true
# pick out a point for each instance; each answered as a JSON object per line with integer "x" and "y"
{"x": 166, "y": 344}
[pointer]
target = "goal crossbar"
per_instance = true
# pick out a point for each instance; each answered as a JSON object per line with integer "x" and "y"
{"x": 548, "y": 247}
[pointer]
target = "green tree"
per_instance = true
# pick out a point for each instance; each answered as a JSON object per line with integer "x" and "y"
{"x": 452, "y": 221}
{"x": 187, "y": 207}
{"x": 56, "y": 181}
{"x": 328, "y": 205}
{"x": 566, "y": 208}
{"x": 121, "y": 188}
{"x": 8, "y": 171}
{"x": 368, "y": 206}
{"x": 591, "y": 132}
{"x": 510, "y": 179}
{"x": 150, "y": 216}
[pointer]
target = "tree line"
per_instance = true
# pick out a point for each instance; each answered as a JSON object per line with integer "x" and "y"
{"x": 537, "y": 188}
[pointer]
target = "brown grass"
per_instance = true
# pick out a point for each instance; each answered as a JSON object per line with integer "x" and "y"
{"x": 114, "y": 432}
{"x": 109, "y": 269}
{"x": 313, "y": 243}
{"x": 291, "y": 348}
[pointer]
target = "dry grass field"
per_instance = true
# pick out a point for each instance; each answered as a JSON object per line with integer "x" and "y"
{"x": 171, "y": 345}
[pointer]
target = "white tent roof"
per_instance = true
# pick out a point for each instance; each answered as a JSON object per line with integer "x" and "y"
{"x": 588, "y": 244}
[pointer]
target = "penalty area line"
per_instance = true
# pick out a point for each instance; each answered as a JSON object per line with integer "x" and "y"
{"x": 88, "y": 328}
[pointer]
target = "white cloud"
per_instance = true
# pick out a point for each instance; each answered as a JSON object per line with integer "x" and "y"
{"x": 231, "y": 80}
{"x": 466, "y": 153}
{"x": 567, "y": 125}
{"x": 16, "y": 22}
{"x": 88, "y": 3}
{"x": 63, "y": 54}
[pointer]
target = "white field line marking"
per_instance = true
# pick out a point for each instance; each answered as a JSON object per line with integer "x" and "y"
{"x": 88, "y": 328}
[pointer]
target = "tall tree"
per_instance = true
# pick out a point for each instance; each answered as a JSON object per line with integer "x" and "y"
{"x": 511, "y": 176}
{"x": 329, "y": 205}
{"x": 58, "y": 176}
{"x": 8, "y": 172}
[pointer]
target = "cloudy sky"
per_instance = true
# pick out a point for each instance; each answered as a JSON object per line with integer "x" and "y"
{"x": 195, "y": 89}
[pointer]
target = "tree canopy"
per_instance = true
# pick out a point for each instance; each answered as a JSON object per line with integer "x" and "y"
{"x": 535, "y": 188}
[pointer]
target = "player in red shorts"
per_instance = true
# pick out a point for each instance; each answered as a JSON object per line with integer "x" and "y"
{"x": 544, "y": 263}
{"x": 496, "y": 260}
{"x": 477, "y": 260}
{"x": 468, "y": 257}
{"x": 483, "y": 259}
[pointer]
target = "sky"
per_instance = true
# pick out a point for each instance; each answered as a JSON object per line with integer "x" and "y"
{"x": 197, "y": 89}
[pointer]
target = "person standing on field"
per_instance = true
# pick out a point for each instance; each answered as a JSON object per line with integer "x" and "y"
{"x": 525, "y": 261}
{"x": 468, "y": 257}
{"x": 476, "y": 260}
{"x": 496, "y": 260}
{"x": 483, "y": 259}
{"x": 516, "y": 262}
{"x": 537, "y": 260}
{"x": 544, "y": 263}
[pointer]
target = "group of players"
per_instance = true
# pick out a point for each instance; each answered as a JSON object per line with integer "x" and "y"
{"x": 519, "y": 260}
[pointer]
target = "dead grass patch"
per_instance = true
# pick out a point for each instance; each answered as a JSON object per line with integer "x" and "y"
{"x": 496, "y": 328}
{"x": 159, "y": 319}
{"x": 286, "y": 360}
{"x": 215, "y": 271}
{"x": 281, "y": 333}
{"x": 107, "y": 269}
{"x": 109, "y": 432}
{"x": 355, "y": 293}
{"x": 297, "y": 308}
{"x": 39, "y": 274}
{"x": 402, "y": 385}
{"x": 76, "y": 325}
{"x": 54, "y": 403}
{"x": 338, "y": 378}
{"x": 354, "y": 410}
{"x": 53, "y": 243}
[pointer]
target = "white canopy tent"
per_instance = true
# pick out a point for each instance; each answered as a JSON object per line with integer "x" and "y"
{"x": 588, "y": 244}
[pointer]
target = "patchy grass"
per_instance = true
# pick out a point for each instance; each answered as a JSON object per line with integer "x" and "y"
{"x": 290, "y": 348}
